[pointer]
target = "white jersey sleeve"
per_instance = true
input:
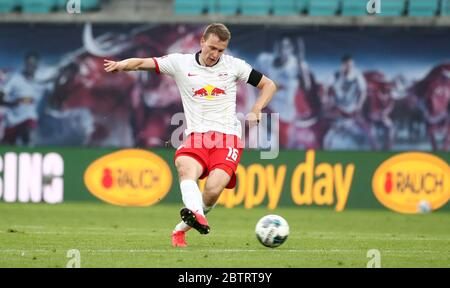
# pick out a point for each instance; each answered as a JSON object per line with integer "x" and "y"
{"x": 167, "y": 64}
{"x": 9, "y": 88}
{"x": 243, "y": 70}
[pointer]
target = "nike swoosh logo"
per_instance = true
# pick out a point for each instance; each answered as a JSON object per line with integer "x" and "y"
{"x": 189, "y": 74}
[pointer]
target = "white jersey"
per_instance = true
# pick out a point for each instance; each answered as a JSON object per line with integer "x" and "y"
{"x": 208, "y": 93}
{"x": 348, "y": 90}
{"x": 16, "y": 89}
{"x": 286, "y": 77}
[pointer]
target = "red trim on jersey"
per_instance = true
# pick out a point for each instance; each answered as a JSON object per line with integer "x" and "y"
{"x": 156, "y": 65}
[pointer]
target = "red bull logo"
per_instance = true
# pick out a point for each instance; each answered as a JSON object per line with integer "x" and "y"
{"x": 209, "y": 92}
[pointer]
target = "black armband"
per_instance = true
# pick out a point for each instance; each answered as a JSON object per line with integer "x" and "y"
{"x": 254, "y": 78}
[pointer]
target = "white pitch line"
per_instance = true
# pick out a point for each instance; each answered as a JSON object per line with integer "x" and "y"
{"x": 78, "y": 233}
{"x": 301, "y": 236}
{"x": 363, "y": 251}
{"x": 320, "y": 235}
{"x": 24, "y": 227}
{"x": 307, "y": 236}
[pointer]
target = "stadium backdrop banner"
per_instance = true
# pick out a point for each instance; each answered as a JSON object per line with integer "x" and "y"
{"x": 137, "y": 177}
{"x": 340, "y": 88}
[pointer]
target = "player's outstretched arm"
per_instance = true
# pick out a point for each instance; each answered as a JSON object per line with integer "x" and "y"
{"x": 131, "y": 64}
{"x": 268, "y": 89}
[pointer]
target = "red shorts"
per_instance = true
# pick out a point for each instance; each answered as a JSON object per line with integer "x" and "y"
{"x": 214, "y": 150}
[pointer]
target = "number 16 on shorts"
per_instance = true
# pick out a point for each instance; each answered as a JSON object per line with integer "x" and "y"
{"x": 233, "y": 154}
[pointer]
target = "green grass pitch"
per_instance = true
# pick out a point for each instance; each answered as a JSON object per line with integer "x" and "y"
{"x": 39, "y": 235}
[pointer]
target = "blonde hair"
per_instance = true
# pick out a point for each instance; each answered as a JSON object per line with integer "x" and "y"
{"x": 219, "y": 30}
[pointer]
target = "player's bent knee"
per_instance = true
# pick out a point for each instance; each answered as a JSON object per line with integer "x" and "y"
{"x": 182, "y": 172}
{"x": 187, "y": 169}
{"x": 185, "y": 172}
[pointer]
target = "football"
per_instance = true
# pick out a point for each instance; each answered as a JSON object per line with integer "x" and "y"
{"x": 272, "y": 230}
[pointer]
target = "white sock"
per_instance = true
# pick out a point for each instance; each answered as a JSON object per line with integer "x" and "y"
{"x": 192, "y": 197}
{"x": 182, "y": 227}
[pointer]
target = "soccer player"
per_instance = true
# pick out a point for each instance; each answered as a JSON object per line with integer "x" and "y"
{"x": 349, "y": 87}
{"x": 21, "y": 95}
{"x": 207, "y": 84}
{"x": 348, "y": 93}
{"x": 282, "y": 66}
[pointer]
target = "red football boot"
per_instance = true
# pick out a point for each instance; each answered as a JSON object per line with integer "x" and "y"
{"x": 178, "y": 239}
